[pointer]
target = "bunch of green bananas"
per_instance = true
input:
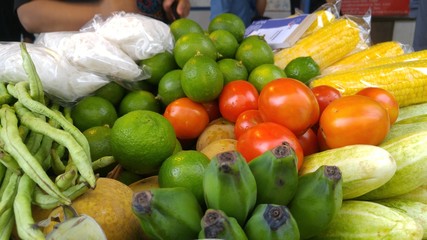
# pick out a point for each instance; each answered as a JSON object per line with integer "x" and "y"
{"x": 262, "y": 199}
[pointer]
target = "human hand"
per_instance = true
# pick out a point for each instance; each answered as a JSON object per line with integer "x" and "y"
{"x": 176, "y": 9}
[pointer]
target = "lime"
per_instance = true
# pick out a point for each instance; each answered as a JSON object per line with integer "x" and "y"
{"x": 184, "y": 169}
{"x": 183, "y": 26}
{"x": 158, "y": 65}
{"x": 265, "y": 73}
{"x": 225, "y": 43}
{"x": 93, "y": 111}
{"x": 139, "y": 100}
{"x": 192, "y": 44}
{"x": 111, "y": 91}
{"x": 169, "y": 88}
{"x": 254, "y": 51}
{"x": 302, "y": 69}
{"x": 141, "y": 140}
{"x": 201, "y": 79}
{"x": 230, "y": 22}
{"x": 232, "y": 70}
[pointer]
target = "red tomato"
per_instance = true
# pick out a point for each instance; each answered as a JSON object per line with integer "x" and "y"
{"x": 246, "y": 120}
{"x": 187, "y": 117}
{"x": 289, "y": 102}
{"x": 213, "y": 109}
{"x": 354, "y": 119}
{"x": 321, "y": 141}
{"x": 385, "y": 98}
{"x": 265, "y": 136}
{"x": 325, "y": 94}
{"x": 237, "y": 97}
{"x": 308, "y": 142}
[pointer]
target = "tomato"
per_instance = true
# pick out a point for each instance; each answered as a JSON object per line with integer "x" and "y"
{"x": 354, "y": 119}
{"x": 213, "y": 109}
{"x": 246, "y": 120}
{"x": 187, "y": 117}
{"x": 385, "y": 98}
{"x": 289, "y": 102}
{"x": 265, "y": 136}
{"x": 236, "y": 97}
{"x": 308, "y": 142}
{"x": 325, "y": 94}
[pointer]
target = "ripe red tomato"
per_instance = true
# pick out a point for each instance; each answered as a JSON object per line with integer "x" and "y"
{"x": 213, "y": 109}
{"x": 246, "y": 120}
{"x": 265, "y": 136}
{"x": 237, "y": 97}
{"x": 187, "y": 117}
{"x": 385, "y": 98}
{"x": 325, "y": 94}
{"x": 308, "y": 142}
{"x": 289, "y": 102}
{"x": 354, "y": 119}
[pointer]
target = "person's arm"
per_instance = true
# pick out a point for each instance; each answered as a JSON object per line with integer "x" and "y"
{"x": 260, "y": 7}
{"x": 47, "y": 16}
{"x": 182, "y": 8}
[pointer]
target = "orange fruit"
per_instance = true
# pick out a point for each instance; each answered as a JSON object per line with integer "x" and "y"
{"x": 112, "y": 91}
{"x": 232, "y": 70}
{"x": 225, "y": 43}
{"x": 183, "y": 26}
{"x": 254, "y": 51}
{"x": 192, "y": 44}
{"x": 169, "y": 88}
{"x": 139, "y": 100}
{"x": 230, "y": 22}
{"x": 265, "y": 73}
{"x": 158, "y": 65}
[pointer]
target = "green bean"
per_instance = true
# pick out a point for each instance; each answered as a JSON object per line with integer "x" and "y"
{"x": 67, "y": 179}
{"x": 39, "y": 108}
{"x": 57, "y": 165}
{"x": 80, "y": 159}
{"x": 36, "y": 87}
{"x": 3, "y": 169}
{"x": 17, "y": 149}
{"x": 103, "y": 162}
{"x": 7, "y": 222}
{"x": 33, "y": 141}
{"x": 9, "y": 193}
{"x": 5, "y": 97}
{"x": 23, "y": 132}
{"x": 25, "y": 224}
{"x": 10, "y": 162}
{"x": 6, "y": 178}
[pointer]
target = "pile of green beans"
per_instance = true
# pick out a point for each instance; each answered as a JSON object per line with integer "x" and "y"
{"x": 44, "y": 159}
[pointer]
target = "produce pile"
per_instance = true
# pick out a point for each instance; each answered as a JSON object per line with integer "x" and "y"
{"x": 220, "y": 136}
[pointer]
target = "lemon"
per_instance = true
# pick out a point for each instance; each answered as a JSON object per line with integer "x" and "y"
{"x": 139, "y": 100}
{"x": 93, "y": 111}
{"x": 184, "y": 169}
{"x": 192, "y": 44}
{"x": 111, "y": 91}
{"x": 169, "y": 88}
{"x": 141, "y": 140}
{"x": 232, "y": 70}
{"x": 254, "y": 51}
{"x": 158, "y": 65}
{"x": 225, "y": 43}
{"x": 201, "y": 79}
{"x": 183, "y": 26}
{"x": 230, "y": 22}
{"x": 302, "y": 69}
{"x": 265, "y": 73}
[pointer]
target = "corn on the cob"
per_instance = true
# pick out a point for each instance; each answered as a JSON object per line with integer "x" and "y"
{"x": 379, "y": 50}
{"x": 407, "y": 81}
{"x": 324, "y": 17}
{"x": 326, "y": 46}
{"x": 412, "y": 56}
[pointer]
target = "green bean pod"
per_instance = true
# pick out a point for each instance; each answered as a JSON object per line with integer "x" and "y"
{"x": 10, "y": 162}
{"x": 36, "y": 87}
{"x": 6, "y": 178}
{"x": 67, "y": 179}
{"x": 7, "y": 222}
{"x": 5, "y": 97}
{"x": 103, "y": 162}
{"x": 3, "y": 169}
{"x": 9, "y": 193}
{"x": 33, "y": 141}
{"x": 17, "y": 149}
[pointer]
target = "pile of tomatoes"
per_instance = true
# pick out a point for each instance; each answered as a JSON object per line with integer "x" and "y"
{"x": 310, "y": 119}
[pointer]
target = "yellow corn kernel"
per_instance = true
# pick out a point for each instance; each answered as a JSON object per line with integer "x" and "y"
{"x": 324, "y": 17}
{"x": 326, "y": 46}
{"x": 407, "y": 81}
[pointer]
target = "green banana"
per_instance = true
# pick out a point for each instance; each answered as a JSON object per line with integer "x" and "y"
{"x": 168, "y": 213}
{"x": 317, "y": 200}
{"x": 230, "y": 186}
{"x": 216, "y": 224}
{"x": 271, "y": 221}
{"x": 276, "y": 175}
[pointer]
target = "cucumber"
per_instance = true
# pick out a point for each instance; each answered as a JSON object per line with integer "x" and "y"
{"x": 397, "y": 130}
{"x": 363, "y": 167}
{"x": 419, "y": 194}
{"x": 365, "y": 220}
{"x": 412, "y": 111}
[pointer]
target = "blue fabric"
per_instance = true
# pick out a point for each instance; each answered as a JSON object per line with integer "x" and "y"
{"x": 420, "y": 35}
{"x": 245, "y": 9}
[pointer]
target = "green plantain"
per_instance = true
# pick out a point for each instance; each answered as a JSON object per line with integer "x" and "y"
{"x": 216, "y": 224}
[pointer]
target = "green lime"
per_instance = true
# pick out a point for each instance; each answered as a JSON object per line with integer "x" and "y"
{"x": 184, "y": 169}
{"x": 141, "y": 140}
{"x": 139, "y": 100}
{"x": 253, "y": 52}
{"x": 265, "y": 73}
{"x": 230, "y": 22}
{"x": 183, "y": 26}
{"x": 225, "y": 43}
{"x": 232, "y": 70}
{"x": 201, "y": 79}
{"x": 192, "y": 44}
{"x": 158, "y": 65}
{"x": 93, "y": 111}
{"x": 302, "y": 69}
{"x": 111, "y": 91}
{"x": 169, "y": 88}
